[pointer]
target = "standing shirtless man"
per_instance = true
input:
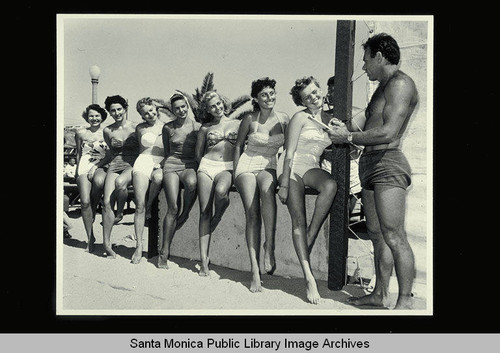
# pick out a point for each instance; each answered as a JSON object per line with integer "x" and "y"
{"x": 384, "y": 170}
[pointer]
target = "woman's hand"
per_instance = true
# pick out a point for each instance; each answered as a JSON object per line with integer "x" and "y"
{"x": 283, "y": 194}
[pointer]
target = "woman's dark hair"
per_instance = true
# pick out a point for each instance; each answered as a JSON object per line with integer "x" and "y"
{"x": 115, "y": 100}
{"x": 258, "y": 86}
{"x": 300, "y": 84}
{"x": 386, "y": 45}
{"x": 97, "y": 108}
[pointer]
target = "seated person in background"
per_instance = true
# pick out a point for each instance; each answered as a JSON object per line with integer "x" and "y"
{"x": 70, "y": 170}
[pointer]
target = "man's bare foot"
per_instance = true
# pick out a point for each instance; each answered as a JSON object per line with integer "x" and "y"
{"x": 370, "y": 299}
{"x": 110, "y": 254}
{"x": 136, "y": 258}
{"x": 269, "y": 260}
{"x": 204, "y": 270}
{"x": 255, "y": 284}
{"x": 90, "y": 245}
{"x": 312, "y": 292}
{"x": 405, "y": 302}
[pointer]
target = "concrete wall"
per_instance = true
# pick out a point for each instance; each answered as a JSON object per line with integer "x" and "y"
{"x": 228, "y": 246}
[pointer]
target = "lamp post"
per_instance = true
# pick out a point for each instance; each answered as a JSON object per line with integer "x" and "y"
{"x": 94, "y": 72}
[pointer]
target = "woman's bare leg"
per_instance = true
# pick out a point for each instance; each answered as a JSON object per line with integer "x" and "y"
{"x": 85, "y": 189}
{"x": 205, "y": 198}
{"x": 171, "y": 186}
{"x": 247, "y": 187}
{"x": 121, "y": 185}
{"x": 108, "y": 215}
{"x": 266, "y": 180}
{"x": 296, "y": 208}
{"x": 141, "y": 184}
{"x": 327, "y": 188}
{"x": 154, "y": 190}
{"x": 222, "y": 182}
{"x": 189, "y": 181}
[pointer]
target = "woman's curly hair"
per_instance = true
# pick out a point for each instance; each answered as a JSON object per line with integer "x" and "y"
{"x": 115, "y": 100}
{"x": 299, "y": 86}
{"x": 97, "y": 108}
{"x": 258, "y": 86}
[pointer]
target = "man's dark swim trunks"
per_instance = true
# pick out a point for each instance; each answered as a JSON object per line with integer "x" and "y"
{"x": 386, "y": 167}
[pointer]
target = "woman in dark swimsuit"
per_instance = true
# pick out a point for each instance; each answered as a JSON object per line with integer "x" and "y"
{"x": 124, "y": 147}
{"x": 179, "y": 141}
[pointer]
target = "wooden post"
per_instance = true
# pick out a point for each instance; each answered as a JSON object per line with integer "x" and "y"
{"x": 342, "y": 109}
{"x": 154, "y": 228}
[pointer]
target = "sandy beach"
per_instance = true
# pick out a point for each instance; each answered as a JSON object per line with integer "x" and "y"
{"x": 92, "y": 284}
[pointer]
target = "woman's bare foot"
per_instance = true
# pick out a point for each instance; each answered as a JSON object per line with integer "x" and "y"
{"x": 312, "y": 292}
{"x": 369, "y": 299}
{"x": 110, "y": 254}
{"x": 269, "y": 260}
{"x": 163, "y": 260}
{"x": 136, "y": 258}
{"x": 90, "y": 245}
{"x": 204, "y": 270}
{"x": 255, "y": 284}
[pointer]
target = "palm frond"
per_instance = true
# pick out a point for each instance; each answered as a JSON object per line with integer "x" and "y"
{"x": 197, "y": 95}
{"x": 239, "y": 101}
{"x": 208, "y": 83}
{"x": 242, "y": 114}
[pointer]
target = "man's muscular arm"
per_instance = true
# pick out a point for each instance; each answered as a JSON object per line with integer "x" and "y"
{"x": 397, "y": 94}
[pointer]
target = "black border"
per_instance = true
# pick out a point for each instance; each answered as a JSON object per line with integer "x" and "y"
{"x": 462, "y": 299}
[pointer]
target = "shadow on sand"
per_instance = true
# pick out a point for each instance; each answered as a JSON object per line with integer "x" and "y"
{"x": 291, "y": 286}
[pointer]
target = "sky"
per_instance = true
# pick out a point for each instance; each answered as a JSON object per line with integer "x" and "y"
{"x": 153, "y": 55}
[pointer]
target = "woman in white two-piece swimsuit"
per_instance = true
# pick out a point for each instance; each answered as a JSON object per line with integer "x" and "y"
{"x": 147, "y": 172}
{"x": 255, "y": 173}
{"x": 299, "y": 167}
{"x": 91, "y": 156}
{"x": 214, "y": 151}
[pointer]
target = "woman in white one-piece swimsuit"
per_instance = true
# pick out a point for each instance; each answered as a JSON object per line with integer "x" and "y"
{"x": 255, "y": 173}
{"x": 147, "y": 172}
{"x": 305, "y": 143}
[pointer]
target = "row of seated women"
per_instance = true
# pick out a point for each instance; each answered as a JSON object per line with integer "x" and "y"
{"x": 207, "y": 158}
